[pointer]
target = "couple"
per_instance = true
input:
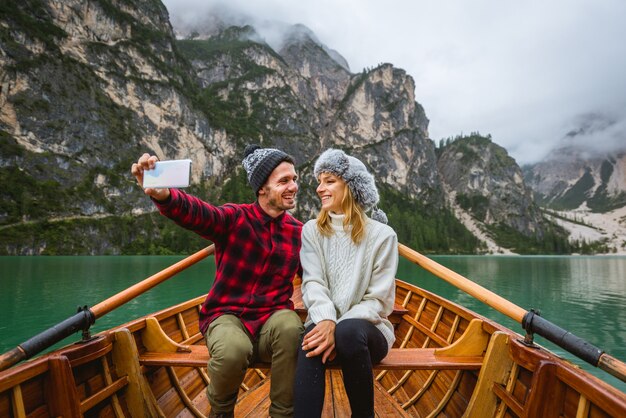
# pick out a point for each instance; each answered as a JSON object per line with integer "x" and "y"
{"x": 348, "y": 264}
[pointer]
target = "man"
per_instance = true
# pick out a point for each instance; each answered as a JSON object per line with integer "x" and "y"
{"x": 248, "y": 314}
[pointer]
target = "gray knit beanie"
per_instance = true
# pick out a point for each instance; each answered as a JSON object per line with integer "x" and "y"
{"x": 355, "y": 174}
{"x": 260, "y": 162}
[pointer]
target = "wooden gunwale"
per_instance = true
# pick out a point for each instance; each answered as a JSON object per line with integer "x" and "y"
{"x": 17, "y": 376}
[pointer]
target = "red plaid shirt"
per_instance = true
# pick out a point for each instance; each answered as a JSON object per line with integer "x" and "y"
{"x": 256, "y": 257}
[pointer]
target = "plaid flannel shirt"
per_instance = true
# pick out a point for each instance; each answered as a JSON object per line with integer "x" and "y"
{"x": 256, "y": 257}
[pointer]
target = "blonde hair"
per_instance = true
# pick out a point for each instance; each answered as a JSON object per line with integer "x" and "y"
{"x": 354, "y": 216}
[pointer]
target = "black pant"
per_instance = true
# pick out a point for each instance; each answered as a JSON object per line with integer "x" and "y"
{"x": 358, "y": 344}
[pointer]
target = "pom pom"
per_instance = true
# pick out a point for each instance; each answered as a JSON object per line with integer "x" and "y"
{"x": 250, "y": 149}
{"x": 379, "y": 215}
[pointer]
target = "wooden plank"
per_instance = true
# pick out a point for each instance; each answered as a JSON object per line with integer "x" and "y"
{"x": 582, "y": 411}
{"x": 441, "y": 342}
{"x": 108, "y": 378}
{"x": 451, "y": 389}
{"x": 386, "y": 405}
{"x": 86, "y": 352}
{"x": 607, "y": 398}
{"x": 249, "y": 404}
{"x": 398, "y": 312}
{"x": 508, "y": 400}
{"x": 546, "y": 396}
{"x": 327, "y": 408}
{"x": 397, "y": 359}
{"x": 139, "y": 398}
{"x": 427, "y": 359}
{"x": 155, "y": 339}
{"x": 17, "y": 402}
{"x": 183, "y": 394}
{"x": 341, "y": 404}
{"x": 473, "y": 342}
{"x": 497, "y": 368}
{"x": 22, "y": 373}
{"x": 423, "y": 389}
{"x": 103, "y": 394}
{"x": 60, "y": 389}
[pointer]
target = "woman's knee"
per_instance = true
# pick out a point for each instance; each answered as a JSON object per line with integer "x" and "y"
{"x": 351, "y": 337}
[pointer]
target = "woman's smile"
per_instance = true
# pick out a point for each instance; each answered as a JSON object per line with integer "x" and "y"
{"x": 331, "y": 190}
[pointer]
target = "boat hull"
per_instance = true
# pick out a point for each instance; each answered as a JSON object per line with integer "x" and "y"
{"x": 447, "y": 361}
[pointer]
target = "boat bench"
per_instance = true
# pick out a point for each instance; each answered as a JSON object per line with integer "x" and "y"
{"x": 397, "y": 359}
{"x": 464, "y": 354}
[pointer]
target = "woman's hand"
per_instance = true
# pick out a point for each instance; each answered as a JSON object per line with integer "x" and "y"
{"x": 321, "y": 340}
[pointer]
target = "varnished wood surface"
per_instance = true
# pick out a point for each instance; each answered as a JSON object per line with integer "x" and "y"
{"x": 397, "y": 359}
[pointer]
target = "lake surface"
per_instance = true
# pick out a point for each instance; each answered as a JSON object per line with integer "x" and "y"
{"x": 584, "y": 295}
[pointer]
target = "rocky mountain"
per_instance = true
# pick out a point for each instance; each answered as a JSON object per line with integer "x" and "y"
{"x": 584, "y": 192}
{"x": 570, "y": 177}
{"x": 86, "y": 87}
{"x": 486, "y": 189}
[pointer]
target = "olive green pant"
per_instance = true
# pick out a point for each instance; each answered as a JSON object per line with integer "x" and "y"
{"x": 232, "y": 350}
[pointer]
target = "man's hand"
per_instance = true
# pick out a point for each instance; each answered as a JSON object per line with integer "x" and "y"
{"x": 321, "y": 340}
{"x": 146, "y": 162}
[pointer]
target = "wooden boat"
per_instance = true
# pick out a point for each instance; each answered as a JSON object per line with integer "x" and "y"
{"x": 447, "y": 362}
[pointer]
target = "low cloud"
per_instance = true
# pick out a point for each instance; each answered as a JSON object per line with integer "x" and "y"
{"x": 522, "y": 72}
{"x": 598, "y": 133}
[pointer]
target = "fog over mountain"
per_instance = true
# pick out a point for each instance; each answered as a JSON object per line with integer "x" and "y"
{"x": 596, "y": 135}
{"x": 526, "y": 73}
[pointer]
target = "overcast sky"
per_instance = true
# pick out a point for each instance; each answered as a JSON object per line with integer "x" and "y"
{"x": 526, "y": 72}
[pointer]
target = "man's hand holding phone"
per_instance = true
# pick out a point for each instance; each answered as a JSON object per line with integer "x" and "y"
{"x": 156, "y": 177}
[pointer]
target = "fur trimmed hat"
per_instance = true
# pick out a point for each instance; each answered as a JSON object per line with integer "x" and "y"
{"x": 260, "y": 162}
{"x": 354, "y": 173}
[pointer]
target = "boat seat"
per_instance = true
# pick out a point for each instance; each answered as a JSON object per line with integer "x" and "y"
{"x": 397, "y": 359}
{"x": 464, "y": 354}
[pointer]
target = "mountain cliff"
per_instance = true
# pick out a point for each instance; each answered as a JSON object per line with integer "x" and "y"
{"x": 584, "y": 191}
{"x": 486, "y": 189}
{"x": 87, "y": 87}
{"x": 570, "y": 177}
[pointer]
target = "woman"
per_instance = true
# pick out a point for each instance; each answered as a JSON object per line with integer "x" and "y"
{"x": 349, "y": 265}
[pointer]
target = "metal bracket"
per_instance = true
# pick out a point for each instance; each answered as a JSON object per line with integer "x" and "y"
{"x": 527, "y": 323}
{"x": 89, "y": 321}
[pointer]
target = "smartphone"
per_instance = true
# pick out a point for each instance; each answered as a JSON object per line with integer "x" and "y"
{"x": 173, "y": 173}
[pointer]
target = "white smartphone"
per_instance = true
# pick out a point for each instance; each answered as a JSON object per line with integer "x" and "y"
{"x": 173, "y": 173}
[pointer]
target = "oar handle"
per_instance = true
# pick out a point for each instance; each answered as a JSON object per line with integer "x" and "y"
{"x": 132, "y": 292}
{"x": 497, "y": 302}
{"x": 11, "y": 357}
{"x": 613, "y": 366}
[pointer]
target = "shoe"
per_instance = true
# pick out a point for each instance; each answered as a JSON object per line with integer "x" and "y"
{"x": 221, "y": 415}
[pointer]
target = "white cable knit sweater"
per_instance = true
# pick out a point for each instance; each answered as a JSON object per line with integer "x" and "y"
{"x": 342, "y": 280}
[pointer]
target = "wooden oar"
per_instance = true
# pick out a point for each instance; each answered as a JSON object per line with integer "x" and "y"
{"x": 135, "y": 290}
{"x": 528, "y": 319}
{"x": 87, "y": 316}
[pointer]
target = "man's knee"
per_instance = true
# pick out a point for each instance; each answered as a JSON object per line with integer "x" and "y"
{"x": 286, "y": 324}
{"x": 234, "y": 356}
{"x": 229, "y": 347}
